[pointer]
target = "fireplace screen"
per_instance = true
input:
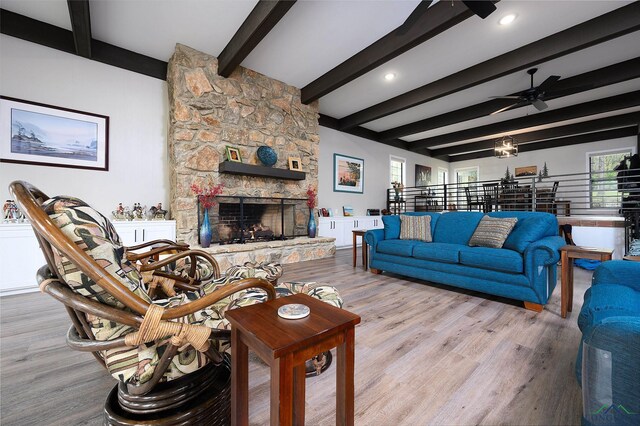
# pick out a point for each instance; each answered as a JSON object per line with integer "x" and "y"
{"x": 251, "y": 219}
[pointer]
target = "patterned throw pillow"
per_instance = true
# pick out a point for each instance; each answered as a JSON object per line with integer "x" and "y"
{"x": 415, "y": 228}
{"x": 492, "y": 231}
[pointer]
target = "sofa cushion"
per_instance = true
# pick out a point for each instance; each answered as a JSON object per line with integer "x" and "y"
{"x": 434, "y": 218}
{"x": 441, "y": 252}
{"x": 608, "y": 300}
{"x": 456, "y": 227}
{"x": 391, "y": 227}
{"x": 531, "y": 226}
{"x": 620, "y": 272}
{"x": 415, "y": 228}
{"x": 492, "y": 231}
{"x": 398, "y": 247}
{"x": 492, "y": 258}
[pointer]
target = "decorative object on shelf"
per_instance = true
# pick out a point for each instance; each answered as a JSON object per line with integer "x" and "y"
{"x": 11, "y": 212}
{"x": 122, "y": 213}
{"x": 267, "y": 155}
{"x": 293, "y": 311}
{"x": 526, "y": 171}
{"x": 312, "y": 199}
{"x": 397, "y": 187}
{"x": 233, "y": 154}
{"x": 295, "y": 164}
{"x": 505, "y": 147}
{"x": 507, "y": 176}
{"x": 324, "y": 212}
{"x": 139, "y": 212}
{"x": 40, "y": 135}
{"x": 157, "y": 212}
{"x": 207, "y": 198}
{"x": 423, "y": 175}
{"x": 373, "y": 212}
{"x": 347, "y": 210}
{"x": 348, "y": 174}
{"x": 540, "y": 176}
{"x": 545, "y": 170}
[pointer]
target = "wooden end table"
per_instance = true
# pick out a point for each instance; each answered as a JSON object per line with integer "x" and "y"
{"x": 567, "y": 255}
{"x": 285, "y": 345}
{"x": 365, "y": 255}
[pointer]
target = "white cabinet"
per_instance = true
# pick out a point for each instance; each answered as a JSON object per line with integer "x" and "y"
{"x": 21, "y": 257}
{"x": 341, "y": 228}
{"x": 137, "y": 232}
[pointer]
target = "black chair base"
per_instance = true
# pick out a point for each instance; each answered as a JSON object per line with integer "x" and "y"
{"x": 318, "y": 364}
{"x": 203, "y": 397}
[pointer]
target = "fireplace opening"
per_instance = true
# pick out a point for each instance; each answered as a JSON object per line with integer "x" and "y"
{"x": 251, "y": 219}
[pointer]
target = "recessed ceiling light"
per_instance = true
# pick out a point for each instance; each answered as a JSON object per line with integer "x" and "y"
{"x": 389, "y": 76}
{"x": 507, "y": 19}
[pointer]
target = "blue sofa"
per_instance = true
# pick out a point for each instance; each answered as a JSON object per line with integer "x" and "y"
{"x": 524, "y": 269}
{"x": 608, "y": 364}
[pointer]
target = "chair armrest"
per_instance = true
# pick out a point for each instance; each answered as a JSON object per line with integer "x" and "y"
{"x": 620, "y": 272}
{"x": 373, "y": 237}
{"x": 544, "y": 252}
{"x": 132, "y": 256}
{"x": 184, "y": 246}
{"x": 192, "y": 254}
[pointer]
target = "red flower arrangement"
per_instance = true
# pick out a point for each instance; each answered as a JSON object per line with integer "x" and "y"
{"x": 207, "y": 193}
{"x": 312, "y": 197}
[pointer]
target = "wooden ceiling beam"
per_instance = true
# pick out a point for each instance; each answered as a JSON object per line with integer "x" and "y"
{"x": 437, "y": 19}
{"x": 555, "y": 143}
{"x": 612, "y": 74}
{"x": 29, "y": 29}
{"x": 614, "y": 24}
{"x": 615, "y": 121}
{"x": 332, "y": 123}
{"x": 81, "y": 26}
{"x": 264, "y": 16}
{"x": 612, "y": 103}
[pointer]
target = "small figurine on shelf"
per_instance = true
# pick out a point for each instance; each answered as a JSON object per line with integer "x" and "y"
{"x": 138, "y": 211}
{"x": 119, "y": 213}
{"x": 397, "y": 187}
{"x": 10, "y": 211}
{"x": 157, "y": 213}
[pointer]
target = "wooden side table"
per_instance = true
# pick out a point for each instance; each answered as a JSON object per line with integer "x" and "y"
{"x": 567, "y": 255}
{"x": 285, "y": 345}
{"x": 365, "y": 251}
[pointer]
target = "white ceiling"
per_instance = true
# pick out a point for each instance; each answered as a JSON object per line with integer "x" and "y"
{"x": 317, "y": 35}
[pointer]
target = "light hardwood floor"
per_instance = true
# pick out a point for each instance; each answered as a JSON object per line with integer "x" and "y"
{"x": 425, "y": 354}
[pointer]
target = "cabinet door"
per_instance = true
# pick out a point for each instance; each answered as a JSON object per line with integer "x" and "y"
{"x": 158, "y": 231}
{"x": 20, "y": 259}
{"x": 128, "y": 232}
{"x": 328, "y": 227}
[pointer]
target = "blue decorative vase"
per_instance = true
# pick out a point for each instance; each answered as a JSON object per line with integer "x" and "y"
{"x": 267, "y": 156}
{"x": 205, "y": 230}
{"x": 311, "y": 227}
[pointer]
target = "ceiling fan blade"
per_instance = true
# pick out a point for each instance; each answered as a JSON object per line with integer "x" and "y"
{"x": 504, "y": 97}
{"x": 546, "y": 85}
{"x": 505, "y": 108}
{"x": 420, "y": 9}
{"x": 539, "y": 104}
{"x": 481, "y": 8}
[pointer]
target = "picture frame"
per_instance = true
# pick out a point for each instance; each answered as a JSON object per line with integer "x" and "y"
{"x": 233, "y": 154}
{"x": 295, "y": 164}
{"x": 423, "y": 175}
{"x": 526, "y": 171}
{"x": 348, "y": 174}
{"x": 39, "y": 134}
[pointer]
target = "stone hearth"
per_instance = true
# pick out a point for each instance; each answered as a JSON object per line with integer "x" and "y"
{"x": 289, "y": 251}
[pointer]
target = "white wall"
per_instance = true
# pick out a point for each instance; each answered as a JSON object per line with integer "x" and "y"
{"x": 376, "y": 170}
{"x": 137, "y": 108}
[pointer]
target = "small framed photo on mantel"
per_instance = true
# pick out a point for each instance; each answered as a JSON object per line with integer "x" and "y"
{"x": 295, "y": 164}
{"x": 233, "y": 154}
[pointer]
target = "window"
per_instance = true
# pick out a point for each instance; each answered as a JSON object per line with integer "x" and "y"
{"x": 602, "y": 179}
{"x": 443, "y": 176}
{"x": 397, "y": 172}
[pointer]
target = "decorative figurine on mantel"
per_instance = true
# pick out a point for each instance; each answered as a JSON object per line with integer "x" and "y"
{"x": 138, "y": 211}
{"x": 11, "y": 212}
{"x": 157, "y": 213}
{"x": 122, "y": 213}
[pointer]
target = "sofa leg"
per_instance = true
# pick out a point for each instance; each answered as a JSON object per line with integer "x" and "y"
{"x": 536, "y": 307}
{"x": 375, "y": 271}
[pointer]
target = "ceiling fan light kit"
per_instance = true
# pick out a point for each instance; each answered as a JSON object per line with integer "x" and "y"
{"x": 505, "y": 147}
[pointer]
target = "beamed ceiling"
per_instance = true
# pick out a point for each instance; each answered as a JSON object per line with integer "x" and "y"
{"x": 448, "y": 63}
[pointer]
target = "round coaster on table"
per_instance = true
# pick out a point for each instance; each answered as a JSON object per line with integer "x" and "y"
{"x": 293, "y": 311}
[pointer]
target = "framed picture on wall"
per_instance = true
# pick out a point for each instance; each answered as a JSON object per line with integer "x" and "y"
{"x": 526, "y": 171}
{"x": 348, "y": 174}
{"x": 423, "y": 175}
{"x": 295, "y": 164}
{"x": 47, "y": 135}
{"x": 233, "y": 154}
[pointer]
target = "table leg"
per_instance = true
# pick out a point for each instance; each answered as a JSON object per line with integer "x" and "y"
{"x": 239, "y": 380}
{"x": 570, "y": 287}
{"x": 299, "y": 382}
{"x": 355, "y": 249}
{"x": 564, "y": 283}
{"x": 365, "y": 254}
{"x": 345, "y": 391}
{"x": 282, "y": 391}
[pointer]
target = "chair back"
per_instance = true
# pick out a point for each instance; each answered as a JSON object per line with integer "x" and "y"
{"x": 467, "y": 194}
{"x": 490, "y": 191}
{"x": 554, "y": 190}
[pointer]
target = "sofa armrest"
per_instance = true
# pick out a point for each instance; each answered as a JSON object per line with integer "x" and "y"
{"x": 373, "y": 237}
{"x": 544, "y": 252}
{"x": 620, "y": 272}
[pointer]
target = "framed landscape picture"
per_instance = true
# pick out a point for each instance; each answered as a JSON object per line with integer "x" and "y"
{"x": 47, "y": 135}
{"x": 423, "y": 175}
{"x": 348, "y": 174}
{"x": 526, "y": 171}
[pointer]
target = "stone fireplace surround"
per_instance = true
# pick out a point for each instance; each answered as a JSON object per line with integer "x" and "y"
{"x": 207, "y": 113}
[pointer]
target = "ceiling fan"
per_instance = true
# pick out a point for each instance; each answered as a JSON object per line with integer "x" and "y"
{"x": 532, "y": 96}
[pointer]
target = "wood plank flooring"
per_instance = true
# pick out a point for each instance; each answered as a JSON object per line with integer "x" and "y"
{"x": 425, "y": 354}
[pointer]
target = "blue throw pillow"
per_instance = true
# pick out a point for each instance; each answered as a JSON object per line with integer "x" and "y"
{"x": 391, "y": 227}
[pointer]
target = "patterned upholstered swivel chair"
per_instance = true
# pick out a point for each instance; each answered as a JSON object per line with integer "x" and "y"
{"x": 158, "y": 327}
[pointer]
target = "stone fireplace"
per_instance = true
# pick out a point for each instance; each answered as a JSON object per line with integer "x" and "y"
{"x": 208, "y": 112}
